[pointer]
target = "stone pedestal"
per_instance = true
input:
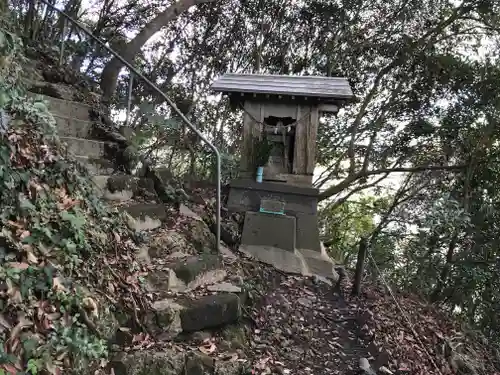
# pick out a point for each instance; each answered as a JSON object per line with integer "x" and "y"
{"x": 264, "y": 229}
{"x": 299, "y": 203}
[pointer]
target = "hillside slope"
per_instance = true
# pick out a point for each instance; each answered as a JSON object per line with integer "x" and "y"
{"x": 85, "y": 294}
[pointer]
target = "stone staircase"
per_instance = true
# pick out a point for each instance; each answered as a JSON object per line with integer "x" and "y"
{"x": 194, "y": 292}
{"x": 75, "y": 128}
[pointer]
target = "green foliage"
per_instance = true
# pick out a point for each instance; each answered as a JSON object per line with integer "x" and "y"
{"x": 55, "y": 235}
{"x": 261, "y": 151}
{"x": 342, "y": 226}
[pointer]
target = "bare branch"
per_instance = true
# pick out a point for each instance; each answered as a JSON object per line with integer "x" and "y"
{"x": 349, "y": 180}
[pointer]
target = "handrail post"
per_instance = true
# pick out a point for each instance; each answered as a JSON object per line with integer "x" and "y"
{"x": 63, "y": 41}
{"x": 129, "y": 97}
{"x": 170, "y": 103}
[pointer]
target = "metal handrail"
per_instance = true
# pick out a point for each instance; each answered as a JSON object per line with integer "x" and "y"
{"x": 168, "y": 100}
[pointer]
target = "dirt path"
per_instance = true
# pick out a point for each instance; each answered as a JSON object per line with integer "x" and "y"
{"x": 303, "y": 327}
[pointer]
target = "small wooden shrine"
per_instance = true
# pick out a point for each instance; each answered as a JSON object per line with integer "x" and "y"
{"x": 281, "y": 223}
{"x": 286, "y": 111}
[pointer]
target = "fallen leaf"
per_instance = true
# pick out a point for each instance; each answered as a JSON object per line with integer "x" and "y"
{"x": 57, "y": 284}
{"x": 23, "y": 323}
{"x": 207, "y": 349}
{"x": 18, "y": 265}
{"x": 4, "y": 323}
{"x": 90, "y": 305}
{"x": 31, "y": 257}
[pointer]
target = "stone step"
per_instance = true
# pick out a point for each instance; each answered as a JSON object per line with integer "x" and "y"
{"x": 188, "y": 273}
{"x": 66, "y": 108}
{"x": 72, "y": 127}
{"x": 124, "y": 187}
{"x": 170, "y": 317}
{"x": 172, "y": 362}
{"x": 87, "y": 147}
{"x": 210, "y": 312}
{"x": 145, "y": 216}
{"x": 96, "y": 166}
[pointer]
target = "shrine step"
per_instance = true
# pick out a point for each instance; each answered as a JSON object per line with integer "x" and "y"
{"x": 96, "y": 166}
{"x": 123, "y": 187}
{"x": 87, "y": 147}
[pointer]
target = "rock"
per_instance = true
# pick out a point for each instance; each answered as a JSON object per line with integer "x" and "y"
{"x": 364, "y": 365}
{"x": 148, "y": 362}
{"x": 189, "y": 269}
{"x": 164, "y": 319}
{"x": 229, "y": 232}
{"x": 228, "y": 368}
{"x": 200, "y": 236}
{"x": 237, "y": 280}
{"x": 170, "y": 242}
{"x": 226, "y": 253}
{"x": 199, "y": 364}
{"x": 143, "y": 255}
{"x": 163, "y": 281}
{"x": 211, "y": 311}
{"x": 122, "y": 182}
{"x": 224, "y": 287}
{"x": 320, "y": 279}
{"x": 235, "y": 337}
{"x": 307, "y": 302}
{"x": 161, "y": 179}
{"x": 186, "y": 211}
{"x": 187, "y": 274}
{"x": 200, "y": 336}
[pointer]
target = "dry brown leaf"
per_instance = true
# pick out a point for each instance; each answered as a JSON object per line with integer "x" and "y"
{"x": 208, "y": 348}
{"x": 18, "y": 265}
{"x": 23, "y": 323}
{"x": 57, "y": 284}
{"x": 4, "y": 324}
{"x": 31, "y": 257}
{"x": 90, "y": 305}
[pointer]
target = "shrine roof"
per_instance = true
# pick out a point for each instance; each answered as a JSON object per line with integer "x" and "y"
{"x": 285, "y": 85}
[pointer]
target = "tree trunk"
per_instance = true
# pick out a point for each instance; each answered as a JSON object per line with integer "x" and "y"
{"x": 110, "y": 72}
{"x": 360, "y": 266}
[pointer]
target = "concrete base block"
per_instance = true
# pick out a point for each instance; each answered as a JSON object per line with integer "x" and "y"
{"x": 300, "y": 262}
{"x": 282, "y": 260}
{"x": 319, "y": 264}
{"x": 269, "y": 230}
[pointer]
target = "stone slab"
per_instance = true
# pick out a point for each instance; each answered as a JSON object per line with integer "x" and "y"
{"x": 246, "y": 195}
{"x": 210, "y": 312}
{"x": 71, "y": 127}
{"x": 143, "y": 210}
{"x": 67, "y": 108}
{"x": 171, "y": 362}
{"x": 96, "y": 166}
{"x": 224, "y": 287}
{"x": 86, "y": 147}
{"x": 122, "y": 187}
{"x": 144, "y": 216}
{"x": 122, "y": 182}
{"x": 308, "y": 232}
{"x": 263, "y": 229}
